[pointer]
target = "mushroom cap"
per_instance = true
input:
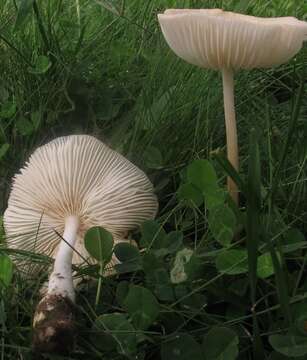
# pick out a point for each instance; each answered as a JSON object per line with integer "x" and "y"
{"x": 216, "y": 39}
{"x": 75, "y": 175}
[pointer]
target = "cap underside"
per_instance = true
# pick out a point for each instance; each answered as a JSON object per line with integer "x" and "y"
{"x": 75, "y": 175}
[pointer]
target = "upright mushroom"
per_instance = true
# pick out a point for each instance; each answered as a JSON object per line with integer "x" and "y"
{"x": 227, "y": 41}
{"x": 66, "y": 187}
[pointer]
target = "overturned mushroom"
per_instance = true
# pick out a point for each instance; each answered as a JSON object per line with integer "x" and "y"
{"x": 66, "y": 187}
{"x": 226, "y": 41}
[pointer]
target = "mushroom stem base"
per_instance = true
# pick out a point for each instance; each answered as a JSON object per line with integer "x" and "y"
{"x": 54, "y": 325}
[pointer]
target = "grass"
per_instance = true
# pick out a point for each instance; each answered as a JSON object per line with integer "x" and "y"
{"x": 103, "y": 68}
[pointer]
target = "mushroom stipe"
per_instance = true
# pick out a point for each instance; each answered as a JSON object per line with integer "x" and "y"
{"x": 227, "y": 41}
{"x": 68, "y": 186}
{"x": 54, "y": 325}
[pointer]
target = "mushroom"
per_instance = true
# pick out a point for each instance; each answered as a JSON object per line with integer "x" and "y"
{"x": 68, "y": 186}
{"x": 227, "y": 41}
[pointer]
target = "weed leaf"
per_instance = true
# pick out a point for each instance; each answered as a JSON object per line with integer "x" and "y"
{"x": 142, "y": 307}
{"x": 99, "y": 243}
{"x": 222, "y": 223}
{"x": 221, "y": 343}
{"x": 232, "y": 262}
{"x": 120, "y": 330}
{"x": 181, "y": 347}
{"x": 289, "y": 345}
{"x": 6, "y": 270}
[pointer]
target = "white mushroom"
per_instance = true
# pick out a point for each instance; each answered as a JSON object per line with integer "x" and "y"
{"x": 66, "y": 187}
{"x": 227, "y": 41}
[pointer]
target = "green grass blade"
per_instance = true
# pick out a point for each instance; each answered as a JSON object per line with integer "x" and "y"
{"x": 253, "y": 231}
{"x": 230, "y": 171}
{"x": 298, "y": 102}
{"x": 281, "y": 284}
{"x": 253, "y": 211}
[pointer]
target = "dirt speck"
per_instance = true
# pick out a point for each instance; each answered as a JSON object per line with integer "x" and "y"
{"x": 39, "y": 316}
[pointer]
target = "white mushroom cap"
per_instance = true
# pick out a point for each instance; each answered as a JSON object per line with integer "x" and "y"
{"x": 219, "y": 39}
{"x": 75, "y": 175}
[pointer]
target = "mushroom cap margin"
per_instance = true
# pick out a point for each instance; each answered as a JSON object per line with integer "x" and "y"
{"x": 216, "y": 39}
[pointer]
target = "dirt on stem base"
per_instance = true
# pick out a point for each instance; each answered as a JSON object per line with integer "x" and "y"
{"x": 54, "y": 325}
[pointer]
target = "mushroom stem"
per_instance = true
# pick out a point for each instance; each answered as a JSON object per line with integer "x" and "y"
{"x": 54, "y": 323}
{"x": 60, "y": 282}
{"x": 231, "y": 129}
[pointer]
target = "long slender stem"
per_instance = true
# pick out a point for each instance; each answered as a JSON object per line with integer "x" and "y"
{"x": 60, "y": 281}
{"x": 99, "y": 283}
{"x": 231, "y": 129}
{"x": 54, "y": 326}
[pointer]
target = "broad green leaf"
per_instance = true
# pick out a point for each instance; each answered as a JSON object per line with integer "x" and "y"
{"x": 169, "y": 244}
{"x": 265, "y": 266}
{"x": 222, "y": 223}
{"x": 191, "y": 194}
{"x": 122, "y": 332}
{"x": 99, "y": 243}
{"x": 157, "y": 276}
{"x": 127, "y": 267}
{"x": 294, "y": 240}
{"x": 151, "y": 262}
{"x": 128, "y": 255}
{"x": 181, "y": 347}
{"x": 142, "y": 307}
{"x": 163, "y": 287}
{"x": 3, "y": 150}
{"x": 173, "y": 241}
{"x": 126, "y": 252}
{"x": 214, "y": 197}
{"x": 289, "y": 345}
{"x": 202, "y": 174}
{"x": 193, "y": 267}
{"x": 6, "y": 270}
{"x": 153, "y": 234}
{"x": 299, "y": 312}
{"x": 24, "y": 126}
{"x": 122, "y": 292}
{"x": 41, "y": 66}
{"x": 181, "y": 290}
{"x": 24, "y": 10}
{"x": 221, "y": 343}
{"x": 8, "y": 110}
{"x": 232, "y": 262}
